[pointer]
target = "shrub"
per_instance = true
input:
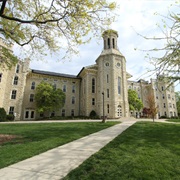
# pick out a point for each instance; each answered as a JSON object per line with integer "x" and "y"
{"x": 2, "y": 114}
{"x": 10, "y": 117}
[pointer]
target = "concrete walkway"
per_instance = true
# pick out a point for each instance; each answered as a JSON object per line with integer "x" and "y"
{"x": 57, "y": 163}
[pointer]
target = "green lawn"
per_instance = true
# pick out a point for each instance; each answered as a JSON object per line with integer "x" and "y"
{"x": 173, "y": 120}
{"x": 40, "y": 137}
{"x": 145, "y": 151}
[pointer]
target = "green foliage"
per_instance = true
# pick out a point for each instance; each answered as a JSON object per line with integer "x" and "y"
{"x": 2, "y": 114}
{"x": 10, "y": 117}
{"x": 48, "y": 98}
{"x": 134, "y": 102}
{"x": 7, "y": 58}
{"x": 178, "y": 102}
{"x": 38, "y": 138}
{"x": 54, "y": 25}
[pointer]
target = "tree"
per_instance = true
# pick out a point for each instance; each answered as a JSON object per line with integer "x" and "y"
{"x": 48, "y": 98}
{"x": 134, "y": 102}
{"x": 2, "y": 114}
{"x": 169, "y": 63}
{"x": 178, "y": 102}
{"x": 153, "y": 110}
{"x": 53, "y": 25}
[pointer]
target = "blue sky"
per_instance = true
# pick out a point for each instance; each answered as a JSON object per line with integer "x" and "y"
{"x": 132, "y": 16}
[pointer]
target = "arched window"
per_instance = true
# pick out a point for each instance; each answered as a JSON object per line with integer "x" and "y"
{"x": 15, "y": 80}
{"x": 73, "y": 100}
{"x": 31, "y": 99}
{"x": 113, "y": 41}
{"x": 33, "y": 85}
{"x": 109, "y": 43}
{"x": 93, "y": 85}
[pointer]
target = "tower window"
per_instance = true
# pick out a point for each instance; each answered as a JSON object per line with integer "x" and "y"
{"x": 104, "y": 44}
{"x": 107, "y": 93}
{"x": 108, "y": 43}
{"x": 113, "y": 43}
{"x": 107, "y": 78}
{"x": 73, "y": 89}
{"x": 108, "y": 108}
{"x": 119, "y": 85}
{"x": 93, "y": 85}
{"x": 93, "y": 101}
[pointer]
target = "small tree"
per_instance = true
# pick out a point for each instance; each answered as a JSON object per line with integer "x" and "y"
{"x": 2, "y": 114}
{"x": 134, "y": 102}
{"x": 48, "y": 98}
{"x": 152, "y": 106}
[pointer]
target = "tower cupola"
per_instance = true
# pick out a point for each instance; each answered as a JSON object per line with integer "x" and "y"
{"x": 110, "y": 39}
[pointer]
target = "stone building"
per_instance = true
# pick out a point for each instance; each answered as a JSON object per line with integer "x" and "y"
{"x": 100, "y": 87}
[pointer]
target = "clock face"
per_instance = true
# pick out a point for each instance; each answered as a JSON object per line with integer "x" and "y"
{"x": 106, "y": 64}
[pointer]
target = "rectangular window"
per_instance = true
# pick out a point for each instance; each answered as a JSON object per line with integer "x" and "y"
{"x": 93, "y": 101}
{"x": 72, "y": 112}
{"x": 107, "y": 93}
{"x": 31, "y": 99}
{"x": 27, "y": 114}
{"x": 107, "y": 78}
{"x": 11, "y": 110}
{"x": 164, "y": 105}
{"x": 93, "y": 85}
{"x": 33, "y": 85}
{"x": 108, "y": 108}
{"x": 15, "y": 80}
{"x": 73, "y": 89}
{"x": 0, "y": 77}
{"x": 32, "y": 114}
{"x": 119, "y": 85}
{"x": 17, "y": 68}
{"x": 64, "y": 88}
{"x": 73, "y": 100}
{"x": 13, "y": 95}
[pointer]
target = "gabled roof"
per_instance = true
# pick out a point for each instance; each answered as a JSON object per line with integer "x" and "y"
{"x": 54, "y": 74}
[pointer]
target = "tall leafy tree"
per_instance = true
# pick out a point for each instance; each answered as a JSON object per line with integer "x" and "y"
{"x": 134, "y": 102}
{"x": 178, "y": 102}
{"x": 169, "y": 63}
{"x": 53, "y": 25}
{"x": 48, "y": 98}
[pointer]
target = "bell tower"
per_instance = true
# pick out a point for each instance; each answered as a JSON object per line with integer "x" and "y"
{"x": 111, "y": 79}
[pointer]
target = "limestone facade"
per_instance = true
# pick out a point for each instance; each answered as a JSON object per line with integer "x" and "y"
{"x": 100, "y": 87}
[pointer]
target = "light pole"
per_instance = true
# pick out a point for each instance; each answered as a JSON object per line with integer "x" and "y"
{"x": 103, "y": 120}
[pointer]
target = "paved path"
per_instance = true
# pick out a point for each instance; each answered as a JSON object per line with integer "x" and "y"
{"x": 57, "y": 163}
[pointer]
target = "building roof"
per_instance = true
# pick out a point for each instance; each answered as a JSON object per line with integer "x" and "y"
{"x": 54, "y": 74}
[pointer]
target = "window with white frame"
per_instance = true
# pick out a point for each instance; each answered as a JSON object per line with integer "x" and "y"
{"x": 31, "y": 99}
{"x": 13, "y": 94}
{"x": 11, "y": 110}
{"x": 17, "y": 68}
{"x": 15, "y": 80}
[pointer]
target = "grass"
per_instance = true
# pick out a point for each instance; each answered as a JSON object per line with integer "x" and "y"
{"x": 173, "y": 120}
{"x": 40, "y": 137}
{"x": 145, "y": 151}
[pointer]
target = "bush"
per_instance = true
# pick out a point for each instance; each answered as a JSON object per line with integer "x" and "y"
{"x": 2, "y": 114}
{"x": 93, "y": 115}
{"x": 10, "y": 117}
